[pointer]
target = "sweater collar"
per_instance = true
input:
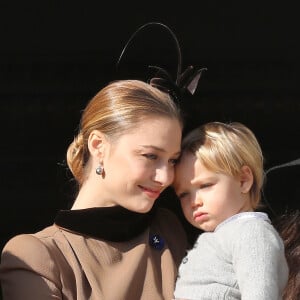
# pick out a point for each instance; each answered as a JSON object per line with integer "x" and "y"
{"x": 115, "y": 224}
{"x": 245, "y": 215}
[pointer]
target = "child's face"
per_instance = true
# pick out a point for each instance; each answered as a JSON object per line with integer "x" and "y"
{"x": 208, "y": 198}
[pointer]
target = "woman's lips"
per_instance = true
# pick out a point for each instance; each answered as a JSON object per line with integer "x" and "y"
{"x": 152, "y": 193}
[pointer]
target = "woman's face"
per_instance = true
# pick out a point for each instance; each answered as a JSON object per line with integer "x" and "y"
{"x": 140, "y": 164}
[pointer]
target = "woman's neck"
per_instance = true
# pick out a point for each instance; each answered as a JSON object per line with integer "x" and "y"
{"x": 92, "y": 195}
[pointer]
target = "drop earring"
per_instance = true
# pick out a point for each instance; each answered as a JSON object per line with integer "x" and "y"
{"x": 99, "y": 170}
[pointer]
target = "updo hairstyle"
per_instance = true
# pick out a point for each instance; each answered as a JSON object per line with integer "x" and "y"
{"x": 114, "y": 111}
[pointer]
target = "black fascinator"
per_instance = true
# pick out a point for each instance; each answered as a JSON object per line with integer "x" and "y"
{"x": 184, "y": 82}
{"x": 281, "y": 189}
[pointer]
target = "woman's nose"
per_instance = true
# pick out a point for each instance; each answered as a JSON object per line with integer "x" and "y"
{"x": 164, "y": 175}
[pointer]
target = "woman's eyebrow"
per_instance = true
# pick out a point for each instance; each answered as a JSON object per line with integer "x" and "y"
{"x": 158, "y": 149}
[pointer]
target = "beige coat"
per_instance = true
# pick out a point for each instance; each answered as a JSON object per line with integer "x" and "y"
{"x": 57, "y": 264}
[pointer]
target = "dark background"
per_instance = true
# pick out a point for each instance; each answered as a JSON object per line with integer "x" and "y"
{"x": 55, "y": 55}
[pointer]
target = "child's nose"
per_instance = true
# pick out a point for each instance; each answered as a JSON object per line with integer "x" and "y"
{"x": 197, "y": 200}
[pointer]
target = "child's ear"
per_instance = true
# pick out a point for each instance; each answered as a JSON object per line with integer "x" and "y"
{"x": 246, "y": 179}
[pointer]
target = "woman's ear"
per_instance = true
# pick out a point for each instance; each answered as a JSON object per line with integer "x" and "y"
{"x": 96, "y": 144}
{"x": 246, "y": 179}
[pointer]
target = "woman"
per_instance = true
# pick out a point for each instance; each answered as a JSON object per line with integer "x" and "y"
{"x": 114, "y": 243}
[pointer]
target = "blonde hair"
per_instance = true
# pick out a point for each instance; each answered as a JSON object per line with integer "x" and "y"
{"x": 226, "y": 148}
{"x": 115, "y": 110}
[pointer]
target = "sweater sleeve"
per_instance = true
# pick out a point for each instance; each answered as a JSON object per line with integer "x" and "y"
{"x": 27, "y": 270}
{"x": 259, "y": 261}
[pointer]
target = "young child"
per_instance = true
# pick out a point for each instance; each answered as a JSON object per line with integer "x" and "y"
{"x": 218, "y": 181}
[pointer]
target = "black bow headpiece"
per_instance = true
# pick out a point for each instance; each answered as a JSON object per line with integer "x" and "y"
{"x": 185, "y": 82}
{"x": 281, "y": 187}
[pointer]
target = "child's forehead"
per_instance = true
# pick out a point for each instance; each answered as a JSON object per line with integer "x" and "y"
{"x": 187, "y": 160}
{"x": 188, "y": 154}
{"x": 189, "y": 167}
{"x": 192, "y": 160}
{"x": 184, "y": 169}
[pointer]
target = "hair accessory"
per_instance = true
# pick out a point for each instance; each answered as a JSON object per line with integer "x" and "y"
{"x": 156, "y": 241}
{"x": 272, "y": 188}
{"x": 186, "y": 81}
{"x": 99, "y": 170}
{"x": 288, "y": 164}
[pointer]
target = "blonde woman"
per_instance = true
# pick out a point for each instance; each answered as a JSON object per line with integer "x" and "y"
{"x": 114, "y": 243}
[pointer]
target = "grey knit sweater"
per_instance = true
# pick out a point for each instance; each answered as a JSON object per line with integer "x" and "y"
{"x": 242, "y": 259}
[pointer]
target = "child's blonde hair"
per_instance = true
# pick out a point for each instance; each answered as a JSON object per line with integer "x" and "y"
{"x": 226, "y": 148}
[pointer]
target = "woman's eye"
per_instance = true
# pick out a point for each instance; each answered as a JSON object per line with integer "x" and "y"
{"x": 174, "y": 161}
{"x": 150, "y": 156}
{"x": 182, "y": 195}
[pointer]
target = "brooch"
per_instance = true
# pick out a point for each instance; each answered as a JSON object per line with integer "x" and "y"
{"x": 156, "y": 241}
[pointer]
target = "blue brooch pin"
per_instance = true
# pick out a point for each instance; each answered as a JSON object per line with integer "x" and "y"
{"x": 156, "y": 241}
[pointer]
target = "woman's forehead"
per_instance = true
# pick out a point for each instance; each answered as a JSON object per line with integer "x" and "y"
{"x": 164, "y": 133}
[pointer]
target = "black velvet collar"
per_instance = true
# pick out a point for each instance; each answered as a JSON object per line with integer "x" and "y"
{"x": 115, "y": 224}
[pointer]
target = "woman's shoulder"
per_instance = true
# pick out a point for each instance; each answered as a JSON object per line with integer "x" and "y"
{"x": 29, "y": 251}
{"x": 22, "y": 243}
{"x": 163, "y": 212}
{"x": 167, "y": 219}
{"x": 169, "y": 225}
{"x": 29, "y": 241}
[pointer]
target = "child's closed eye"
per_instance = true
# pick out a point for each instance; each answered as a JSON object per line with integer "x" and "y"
{"x": 205, "y": 185}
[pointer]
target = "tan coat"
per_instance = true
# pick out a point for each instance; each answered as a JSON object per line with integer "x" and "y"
{"x": 57, "y": 264}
